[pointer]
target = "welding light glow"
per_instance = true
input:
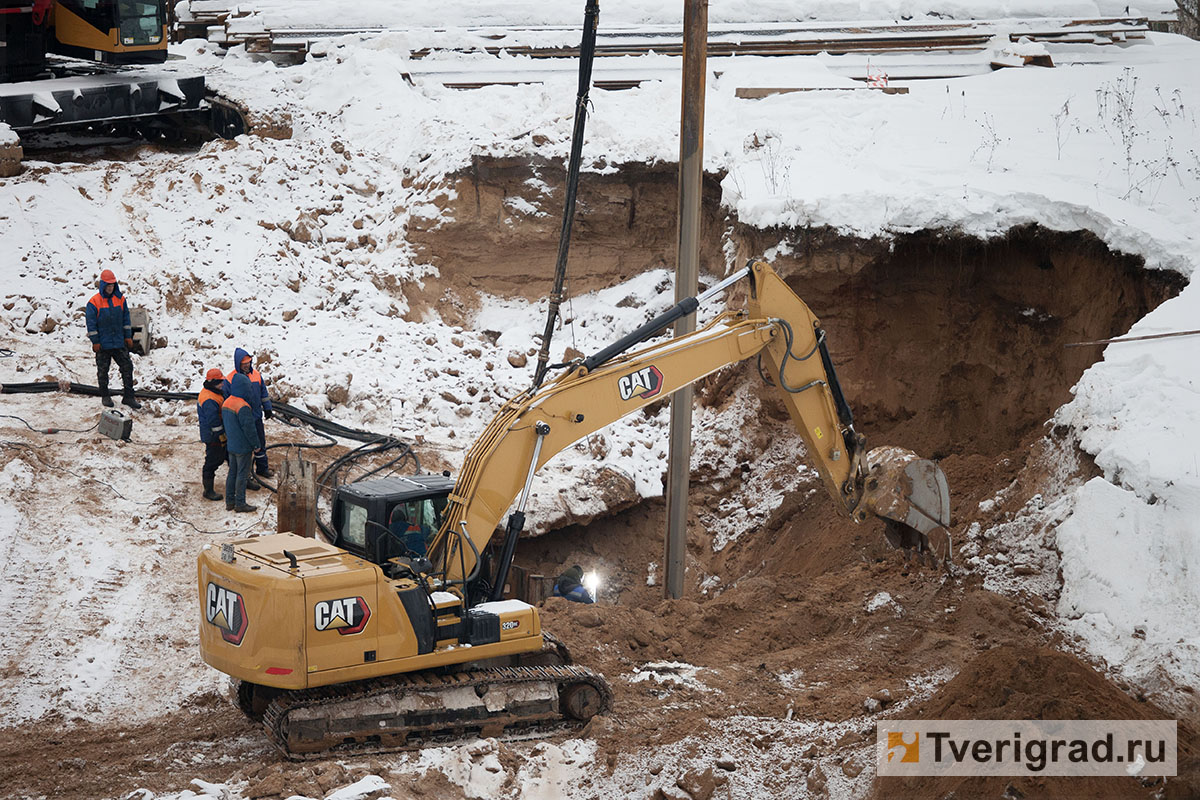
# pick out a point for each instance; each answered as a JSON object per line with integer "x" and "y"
{"x": 591, "y": 582}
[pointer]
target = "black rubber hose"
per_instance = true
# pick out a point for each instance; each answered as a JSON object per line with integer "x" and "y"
{"x": 313, "y": 421}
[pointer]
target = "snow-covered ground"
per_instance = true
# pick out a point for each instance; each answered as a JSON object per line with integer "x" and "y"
{"x": 523, "y": 13}
{"x": 297, "y": 249}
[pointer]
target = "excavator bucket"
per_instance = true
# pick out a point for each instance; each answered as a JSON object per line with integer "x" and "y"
{"x": 911, "y": 495}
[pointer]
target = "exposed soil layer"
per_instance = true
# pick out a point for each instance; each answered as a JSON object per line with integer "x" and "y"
{"x": 507, "y": 214}
{"x": 945, "y": 344}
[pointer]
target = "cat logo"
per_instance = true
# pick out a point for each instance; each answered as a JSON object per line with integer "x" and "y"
{"x": 347, "y": 615}
{"x": 646, "y": 382}
{"x": 226, "y": 609}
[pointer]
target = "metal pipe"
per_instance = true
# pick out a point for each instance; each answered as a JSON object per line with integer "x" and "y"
{"x": 542, "y": 429}
{"x": 687, "y": 271}
{"x": 516, "y": 520}
{"x": 715, "y": 290}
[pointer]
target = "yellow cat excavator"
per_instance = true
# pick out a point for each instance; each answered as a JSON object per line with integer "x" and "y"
{"x": 365, "y": 644}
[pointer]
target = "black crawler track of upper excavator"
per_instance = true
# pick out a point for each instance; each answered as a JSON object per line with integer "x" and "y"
{"x": 362, "y": 717}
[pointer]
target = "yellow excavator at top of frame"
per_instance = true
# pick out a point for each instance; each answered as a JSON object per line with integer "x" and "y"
{"x": 363, "y": 645}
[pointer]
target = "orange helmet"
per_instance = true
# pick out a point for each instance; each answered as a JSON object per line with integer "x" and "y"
{"x": 213, "y": 374}
{"x": 108, "y": 277}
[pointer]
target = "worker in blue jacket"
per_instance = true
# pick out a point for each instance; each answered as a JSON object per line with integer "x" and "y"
{"x": 212, "y": 430}
{"x": 259, "y": 402}
{"x": 570, "y": 585}
{"x": 241, "y": 440}
{"x": 111, "y": 333}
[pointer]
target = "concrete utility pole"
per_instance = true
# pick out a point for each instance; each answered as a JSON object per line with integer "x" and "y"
{"x": 687, "y": 271}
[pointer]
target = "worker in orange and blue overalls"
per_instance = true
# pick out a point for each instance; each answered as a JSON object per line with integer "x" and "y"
{"x": 212, "y": 430}
{"x": 241, "y": 440}
{"x": 111, "y": 333}
{"x": 261, "y": 405}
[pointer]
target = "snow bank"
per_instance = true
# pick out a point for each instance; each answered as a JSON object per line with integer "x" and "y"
{"x": 1131, "y": 551}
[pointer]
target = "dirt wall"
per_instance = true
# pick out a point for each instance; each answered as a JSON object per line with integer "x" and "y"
{"x": 952, "y": 345}
{"x": 507, "y": 215}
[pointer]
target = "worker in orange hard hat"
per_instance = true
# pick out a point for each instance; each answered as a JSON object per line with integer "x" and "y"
{"x": 111, "y": 333}
{"x": 212, "y": 430}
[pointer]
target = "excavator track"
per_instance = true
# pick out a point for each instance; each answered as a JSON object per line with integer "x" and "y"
{"x": 414, "y": 710}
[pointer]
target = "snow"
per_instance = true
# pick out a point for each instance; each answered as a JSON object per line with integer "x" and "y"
{"x": 462, "y": 13}
{"x": 883, "y": 600}
{"x": 501, "y": 607}
{"x": 1131, "y": 551}
{"x": 1127, "y": 585}
{"x": 475, "y": 767}
{"x": 360, "y": 790}
{"x": 672, "y": 674}
{"x": 298, "y": 249}
{"x": 98, "y": 610}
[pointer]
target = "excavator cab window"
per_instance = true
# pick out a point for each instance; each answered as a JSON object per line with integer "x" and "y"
{"x": 140, "y": 22}
{"x": 353, "y": 530}
{"x": 137, "y": 22}
{"x": 385, "y": 518}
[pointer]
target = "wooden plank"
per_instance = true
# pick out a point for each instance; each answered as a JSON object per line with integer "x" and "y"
{"x": 296, "y": 498}
{"x": 518, "y": 577}
{"x": 535, "y": 592}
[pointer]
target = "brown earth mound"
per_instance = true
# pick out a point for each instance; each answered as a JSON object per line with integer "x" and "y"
{"x": 1014, "y": 682}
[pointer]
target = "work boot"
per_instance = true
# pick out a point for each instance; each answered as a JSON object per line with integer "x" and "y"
{"x": 131, "y": 401}
{"x": 229, "y": 505}
{"x": 266, "y": 472}
{"x": 252, "y": 485}
{"x": 106, "y": 401}
{"x": 209, "y": 494}
{"x": 244, "y": 508}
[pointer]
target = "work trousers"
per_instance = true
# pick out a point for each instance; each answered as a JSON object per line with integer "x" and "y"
{"x": 260, "y": 455}
{"x": 214, "y": 456}
{"x": 104, "y": 360}
{"x": 235, "y": 481}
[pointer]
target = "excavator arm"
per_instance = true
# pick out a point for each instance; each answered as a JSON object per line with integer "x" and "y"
{"x": 536, "y": 425}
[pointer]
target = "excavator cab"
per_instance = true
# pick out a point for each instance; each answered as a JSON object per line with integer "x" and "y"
{"x": 112, "y": 31}
{"x": 390, "y": 518}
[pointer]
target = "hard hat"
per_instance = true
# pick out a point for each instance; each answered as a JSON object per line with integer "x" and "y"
{"x": 108, "y": 277}
{"x": 213, "y": 374}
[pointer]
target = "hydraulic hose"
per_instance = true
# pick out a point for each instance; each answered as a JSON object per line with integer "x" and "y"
{"x": 319, "y": 424}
